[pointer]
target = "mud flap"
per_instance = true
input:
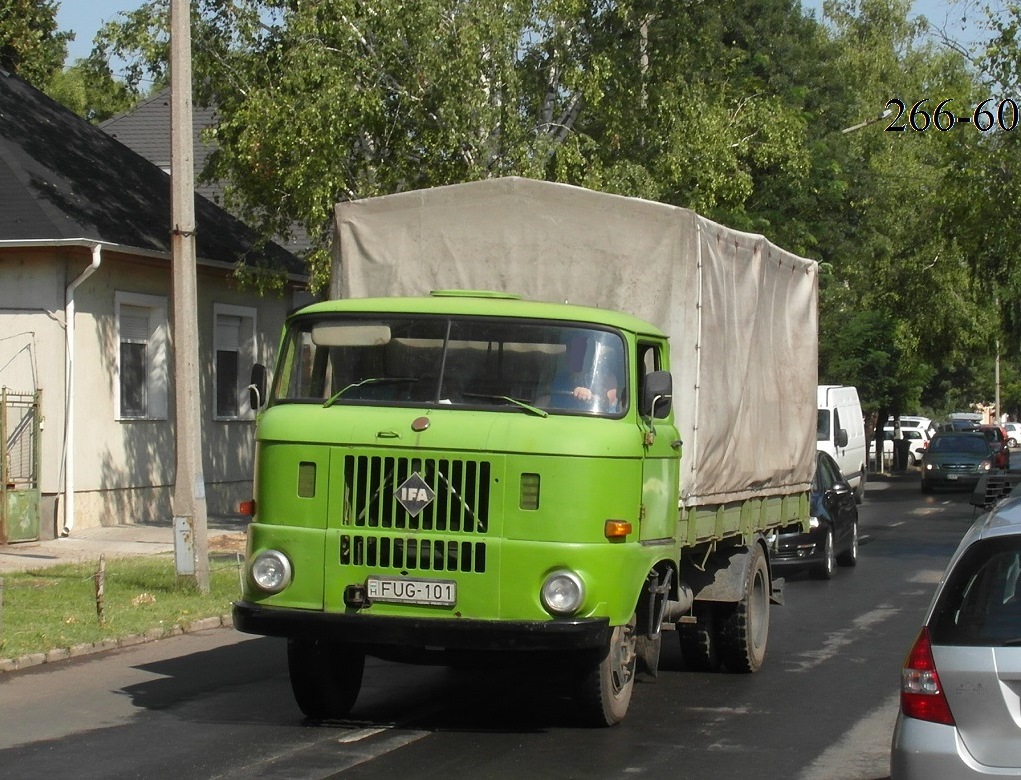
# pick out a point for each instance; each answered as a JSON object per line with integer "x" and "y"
{"x": 776, "y": 596}
{"x": 647, "y": 651}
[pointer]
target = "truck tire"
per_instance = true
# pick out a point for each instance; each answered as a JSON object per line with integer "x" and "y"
{"x": 325, "y": 676}
{"x": 699, "y": 643}
{"x": 745, "y": 628}
{"x": 605, "y": 693}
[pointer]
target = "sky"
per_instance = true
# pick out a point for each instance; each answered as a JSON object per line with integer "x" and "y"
{"x": 85, "y": 17}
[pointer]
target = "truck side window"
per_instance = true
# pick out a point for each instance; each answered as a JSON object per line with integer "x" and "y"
{"x": 648, "y": 361}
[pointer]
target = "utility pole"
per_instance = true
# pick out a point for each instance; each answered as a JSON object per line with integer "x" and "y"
{"x": 996, "y": 372}
{"x": 190, "y": 533}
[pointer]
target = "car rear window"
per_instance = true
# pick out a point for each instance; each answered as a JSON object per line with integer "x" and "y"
{"x": 981, "y": 603}
{"x": 969, "y": 443}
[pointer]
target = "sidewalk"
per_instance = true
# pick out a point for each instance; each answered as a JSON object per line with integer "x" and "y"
{"x": 88, "y": 544}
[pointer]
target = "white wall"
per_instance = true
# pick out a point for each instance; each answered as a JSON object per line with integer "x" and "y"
{"x": 123, "y": 469}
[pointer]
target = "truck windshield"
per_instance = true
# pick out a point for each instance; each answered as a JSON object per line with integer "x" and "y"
{"x": 420, "y": 360}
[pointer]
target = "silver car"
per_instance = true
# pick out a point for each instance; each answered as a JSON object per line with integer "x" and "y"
{"x": 960, "y": 702}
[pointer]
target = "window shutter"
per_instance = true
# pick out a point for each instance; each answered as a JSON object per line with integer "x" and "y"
{"x": 134, "y": 324}
{"x": 228, "y": 333}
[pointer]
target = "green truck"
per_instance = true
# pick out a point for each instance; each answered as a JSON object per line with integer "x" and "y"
{"x": 477, "y": 474}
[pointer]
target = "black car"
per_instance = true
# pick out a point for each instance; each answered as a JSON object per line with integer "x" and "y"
{"x": 833, "y": 536}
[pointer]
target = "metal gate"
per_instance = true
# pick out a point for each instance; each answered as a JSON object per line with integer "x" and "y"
{"x": 21, "y": 435}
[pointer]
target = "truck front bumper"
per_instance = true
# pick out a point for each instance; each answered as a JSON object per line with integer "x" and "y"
{"x": 448, "y": 633}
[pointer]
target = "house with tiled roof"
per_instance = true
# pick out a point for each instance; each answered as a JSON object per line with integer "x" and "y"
{"x": 86, "y": 331}
{"x": 146, "y": 130}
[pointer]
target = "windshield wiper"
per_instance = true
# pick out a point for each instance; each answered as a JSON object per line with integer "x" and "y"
{"x": 507, "y": 399}
{"x": 378, "y": 380}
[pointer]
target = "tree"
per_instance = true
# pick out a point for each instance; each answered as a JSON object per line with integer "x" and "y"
{"x": 31, "y": 46}
{"x": 735, "y": 111}
{"x": 906, "y": 264}
{"x": 89, "y": 89}
{"x": 321, "y": 102}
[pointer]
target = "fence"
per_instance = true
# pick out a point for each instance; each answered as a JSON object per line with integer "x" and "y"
{"x": 21, "y": 434}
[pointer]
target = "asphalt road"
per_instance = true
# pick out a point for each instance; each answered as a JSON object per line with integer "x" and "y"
{"x": 217, "y": 704}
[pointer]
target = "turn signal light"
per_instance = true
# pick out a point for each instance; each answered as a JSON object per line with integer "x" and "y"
{"x": 617, "y": 529}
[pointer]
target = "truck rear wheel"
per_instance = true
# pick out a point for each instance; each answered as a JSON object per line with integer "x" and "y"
{"x": 745, "y": 628}
{"x": 699, "y": 641}
{"x": 606, "y": 690}
{"x": 325, "y": 676}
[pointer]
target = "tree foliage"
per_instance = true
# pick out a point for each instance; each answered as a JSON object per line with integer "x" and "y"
{"x": 90, "y": 90}
{"x": 30, "y": 44}
{"x": 327, "y": 101}
{"x": 735, "y": 110}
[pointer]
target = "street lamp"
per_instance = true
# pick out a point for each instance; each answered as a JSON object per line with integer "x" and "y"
{"x": 868, "y": 122}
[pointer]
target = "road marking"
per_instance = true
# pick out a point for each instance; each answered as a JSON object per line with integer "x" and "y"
{"x": 360, "y": 734}
{"x": 838, "y": 640}
{"x": 314, "y": 760}
{"x": 864, "y": 751}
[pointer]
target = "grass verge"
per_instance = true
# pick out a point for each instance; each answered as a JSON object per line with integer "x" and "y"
{"x": 55, "y": 607}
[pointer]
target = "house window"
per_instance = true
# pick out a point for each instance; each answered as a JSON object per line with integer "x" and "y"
{"x": 142, "y": 369}
{"x": 234, "y": 354}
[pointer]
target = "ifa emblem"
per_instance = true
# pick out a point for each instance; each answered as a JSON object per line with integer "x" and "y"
{"x": 414, "y": 494}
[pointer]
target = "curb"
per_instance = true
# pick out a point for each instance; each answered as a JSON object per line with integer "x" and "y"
{"x": 91, "y": 648}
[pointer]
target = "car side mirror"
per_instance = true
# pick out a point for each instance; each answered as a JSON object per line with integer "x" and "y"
{"x": 842, "y": 437}
{"x": 257, "y": 388}
{"x": 657, "y": 395}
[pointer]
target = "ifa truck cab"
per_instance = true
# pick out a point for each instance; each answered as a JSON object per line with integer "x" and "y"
{"x": 473, "y": 477}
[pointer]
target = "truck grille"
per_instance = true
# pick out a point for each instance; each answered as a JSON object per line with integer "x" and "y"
{"x": 404, "y": 553}
{"x": 461, "y": 488}
{"x": 460, "y": 506}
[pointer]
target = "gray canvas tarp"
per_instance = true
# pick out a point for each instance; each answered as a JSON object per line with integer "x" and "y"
{"x": 740, "y": 312}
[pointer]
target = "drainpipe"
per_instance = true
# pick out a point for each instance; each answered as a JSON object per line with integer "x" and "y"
{"x": 97, "y": 258}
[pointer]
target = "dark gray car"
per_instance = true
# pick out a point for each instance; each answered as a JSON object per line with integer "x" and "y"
{"x": 955, "y": 460}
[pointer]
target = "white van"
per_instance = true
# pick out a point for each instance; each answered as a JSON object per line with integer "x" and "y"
{"x": 841, "y": 433}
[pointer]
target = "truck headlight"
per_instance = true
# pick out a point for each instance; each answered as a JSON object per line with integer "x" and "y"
{"x": 562, "y": 593}
{"x": 271, "y": 571}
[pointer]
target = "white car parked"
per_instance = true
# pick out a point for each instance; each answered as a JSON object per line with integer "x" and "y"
{"x": 1013, "y": 433}
{"x": 919, "y": 438}
{"x": 911, "y": 421}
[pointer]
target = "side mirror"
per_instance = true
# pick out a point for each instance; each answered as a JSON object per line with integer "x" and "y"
{"x": 257, "y": 388}
{"x": 842, "y": 437}
{"x": 657, "y": 395}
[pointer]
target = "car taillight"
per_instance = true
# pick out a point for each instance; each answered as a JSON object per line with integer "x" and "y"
{"x": 921, "y": 694}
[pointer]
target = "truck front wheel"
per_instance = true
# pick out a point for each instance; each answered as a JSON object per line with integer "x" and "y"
{"x": 325, "y": 676}
{"x": 745, "y": 628}
{"x": 606, "y": 690}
